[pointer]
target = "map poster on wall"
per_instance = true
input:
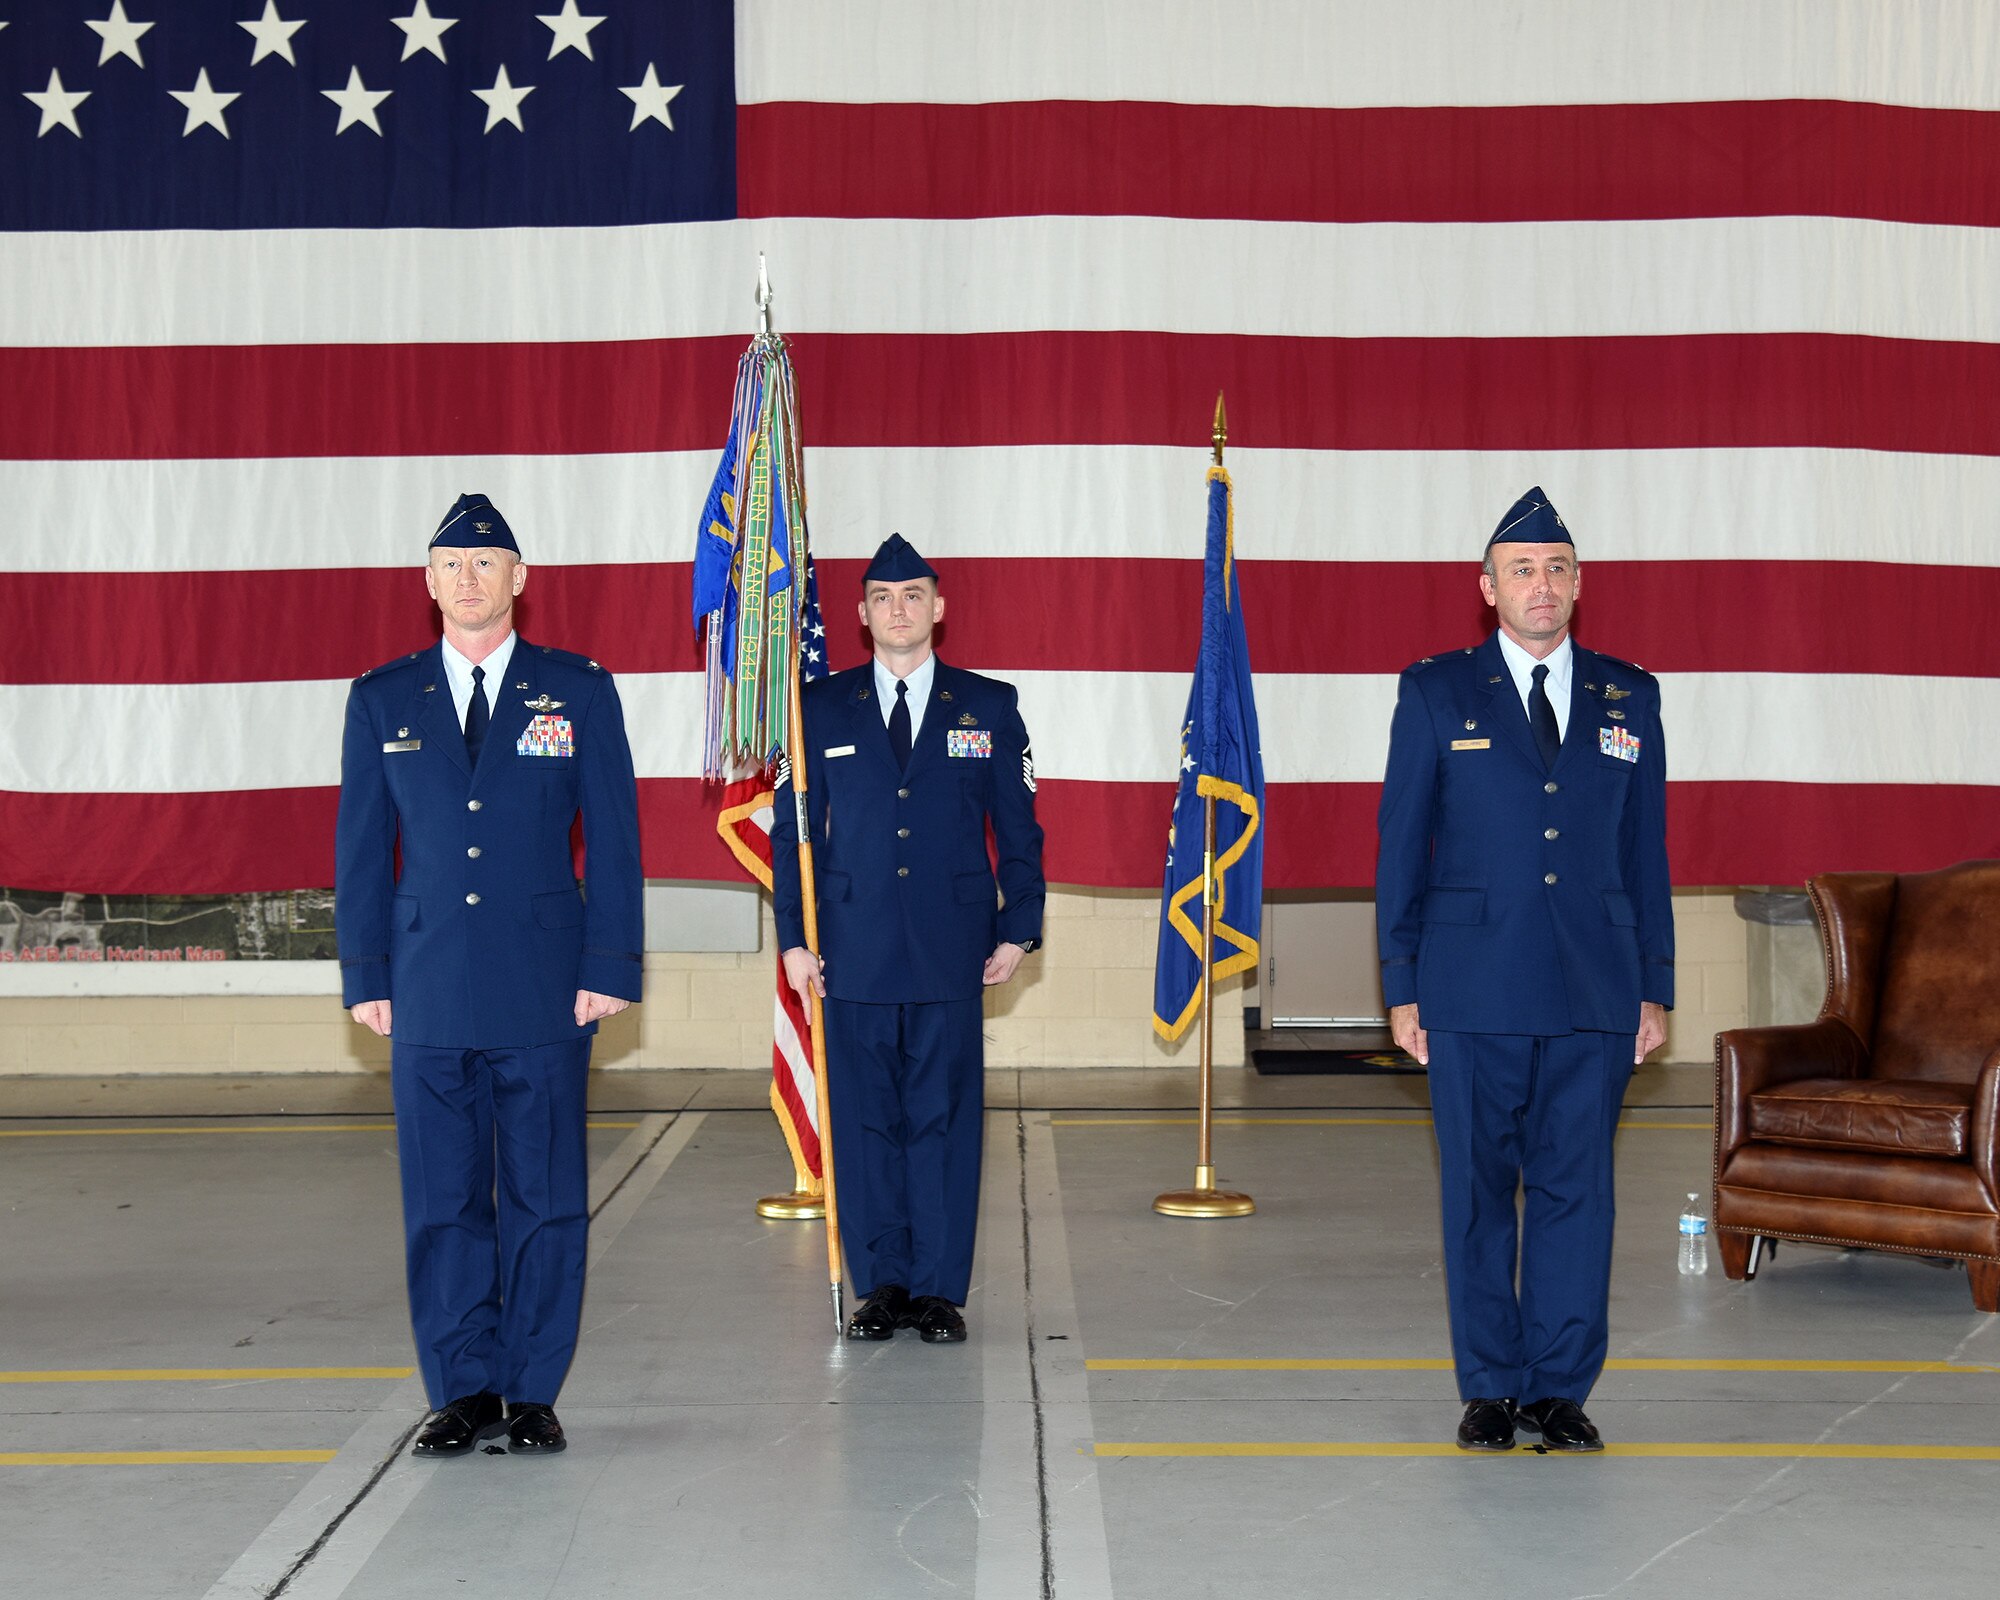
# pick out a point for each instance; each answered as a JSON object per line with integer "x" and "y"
{"x": 75, "y": 928}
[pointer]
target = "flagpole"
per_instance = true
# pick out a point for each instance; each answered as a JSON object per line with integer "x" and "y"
{"x": 795, "y": 751}
{"x": 805, "y": 1203}
{"x": 1204, "y": 1199}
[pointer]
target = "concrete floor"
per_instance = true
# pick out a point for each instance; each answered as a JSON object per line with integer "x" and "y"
{"x": 204, "y": 1371}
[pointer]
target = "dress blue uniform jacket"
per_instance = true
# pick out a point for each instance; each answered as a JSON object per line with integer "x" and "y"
{"x": 483, "y": 940}
{"x": 907, "y": 903}
{"x": 1510, "y": 899}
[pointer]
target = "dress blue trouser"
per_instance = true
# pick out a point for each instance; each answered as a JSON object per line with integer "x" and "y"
{"x": 495, "y": 1213}
{"x": 908, "y": 1088}
{"x": 1520, "y": 1113}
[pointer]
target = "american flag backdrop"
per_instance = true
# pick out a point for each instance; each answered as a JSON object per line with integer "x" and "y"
{"x": 280, "y": 278}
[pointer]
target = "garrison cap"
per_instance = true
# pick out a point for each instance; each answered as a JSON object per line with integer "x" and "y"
{"x": 897, "y": 561}
{"x": 474, "y": 523}
{"x": 1531, "y": 520}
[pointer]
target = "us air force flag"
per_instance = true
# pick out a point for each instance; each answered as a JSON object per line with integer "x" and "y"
{"x": 1220, "y": 757}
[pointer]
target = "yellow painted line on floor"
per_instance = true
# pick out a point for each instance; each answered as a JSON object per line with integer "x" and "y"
{"x": 199, "y": 1374}
{"x": 163, "y": 1458}
{"x": 1312, "y": 1122}
{"x": 1442, "y": 1364}
{"x": 1683, "y": 1450}
{"x": 384, "y": 1126}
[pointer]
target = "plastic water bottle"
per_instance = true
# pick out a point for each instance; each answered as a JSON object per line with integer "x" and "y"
{"x": 1694, "y": 1238}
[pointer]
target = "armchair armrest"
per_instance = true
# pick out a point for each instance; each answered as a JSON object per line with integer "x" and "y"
{"x": 1986, "y": 1125}
{"x": 1749, "y": 1060}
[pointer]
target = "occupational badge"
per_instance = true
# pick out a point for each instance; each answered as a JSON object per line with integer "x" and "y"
{"x": 544, "y": 703}
{"x": 547, "y": 736}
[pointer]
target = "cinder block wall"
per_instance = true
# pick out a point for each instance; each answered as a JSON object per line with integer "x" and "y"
{"x": 1083, "y": 1000}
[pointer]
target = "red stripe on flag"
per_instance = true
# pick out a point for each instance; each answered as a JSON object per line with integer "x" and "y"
{"x": 1136, "y": 616}
{"x": 1370, "y": 164}
{"x": 1689, "y": 391}
{"x": 1317, "y": 835}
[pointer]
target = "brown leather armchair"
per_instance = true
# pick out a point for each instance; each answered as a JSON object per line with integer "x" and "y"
{"x": 1878, "y": 1125}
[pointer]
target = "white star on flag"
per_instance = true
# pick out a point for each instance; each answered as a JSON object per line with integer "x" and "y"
{"x": 58, "y": 105}
{"x": 120, "y": 34}
{"x": 503, "y": 101}
{"x": 357, "y": 103}
{"x": 571, "y": 30}
{"x": 650, "y": 98}
{"x": 204, "y": 105}
{"x": 422, "y": 31}
{"x": 273, "y": 34}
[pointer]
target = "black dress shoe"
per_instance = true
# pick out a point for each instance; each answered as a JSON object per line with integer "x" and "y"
{"x": 937, "y": 1320}
{"x": 1487, "y": 1425}
{"x": 458, "y": 1425}
{"x": 532, "y": 1430}
{"x": 879, "y": 1316}
{"x": 1562, "y": 1425}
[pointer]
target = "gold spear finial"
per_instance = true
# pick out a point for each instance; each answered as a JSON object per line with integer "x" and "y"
{"x": 1221, "y": 427}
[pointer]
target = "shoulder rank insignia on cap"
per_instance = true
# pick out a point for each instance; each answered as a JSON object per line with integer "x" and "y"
{"x": 543, "y": 704}
{"x": 967, "y": 720}
{"x": 1613, "y": 692}
{"x": 484, "y": 527}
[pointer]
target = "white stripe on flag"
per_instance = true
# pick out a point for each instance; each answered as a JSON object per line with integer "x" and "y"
{"x": 1363, "y": 53}
{"x": 1040, "y": 500}
{"x": 903, "y": 276}
{"x": 1317, "y": 728}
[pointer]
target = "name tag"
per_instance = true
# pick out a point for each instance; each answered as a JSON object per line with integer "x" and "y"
{"x": 1472, "y": 744}
{"x": 547, "y": 736}
{"x": 838, "y": 750}
{"x": 973, "y": 743}
{"x": 402, "y": 744}
{"x": 1619, "y": 742}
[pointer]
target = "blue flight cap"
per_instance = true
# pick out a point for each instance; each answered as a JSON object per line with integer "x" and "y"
{"x": 897, "y": 561}
{"x": 1531, "y": 520}
{"x": 474, "y": 523}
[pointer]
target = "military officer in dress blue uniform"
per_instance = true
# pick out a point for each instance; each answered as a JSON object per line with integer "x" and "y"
{"x": 488, "y": 970}
{"x": 908, "y": 761}
{"x": 1527, "y": 948}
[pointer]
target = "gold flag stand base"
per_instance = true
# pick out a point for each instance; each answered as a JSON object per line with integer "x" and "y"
{"x": 1204, "y": 1199}
{"x": 798, "y": 1206}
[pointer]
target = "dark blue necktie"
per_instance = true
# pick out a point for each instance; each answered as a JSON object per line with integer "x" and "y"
{"x": 476, "y": 716}
{"x": 1542, "y": 718}
{"x": 899, "y": 726}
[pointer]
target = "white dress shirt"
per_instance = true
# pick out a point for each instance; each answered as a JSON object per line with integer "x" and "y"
{"x": 1559, "y": 661}
{"x": 918, "y": 697}
{"x": 458, "y": 674}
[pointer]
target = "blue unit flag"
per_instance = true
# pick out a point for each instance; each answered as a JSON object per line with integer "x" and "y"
{"x": 1220, "y": 757}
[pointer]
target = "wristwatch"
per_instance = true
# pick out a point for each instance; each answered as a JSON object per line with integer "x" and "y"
{"x": 1028, "y": 946}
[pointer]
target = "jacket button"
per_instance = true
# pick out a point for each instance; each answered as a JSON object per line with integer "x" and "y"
{"x": 902, "y": 833}
{"x": 1547, "y": 833}
{"x": 472, "y": 899}
{"x": 1548, "y": 877}
{"x": 902, "y": 794}
{"x": 902, "y": 872}
{"x": 473, "y": 805}
{"x": 1548, "y": 788}
{"x": 473, "y": 851}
